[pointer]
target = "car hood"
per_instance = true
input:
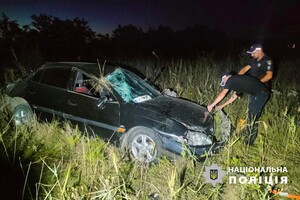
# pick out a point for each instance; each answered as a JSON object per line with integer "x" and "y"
{"x": 183, "y": 111}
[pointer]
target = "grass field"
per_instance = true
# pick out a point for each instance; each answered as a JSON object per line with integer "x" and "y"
{"x": 57, "y": 161}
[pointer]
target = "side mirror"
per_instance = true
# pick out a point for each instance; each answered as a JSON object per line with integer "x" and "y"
{"x": 101, "y": 102}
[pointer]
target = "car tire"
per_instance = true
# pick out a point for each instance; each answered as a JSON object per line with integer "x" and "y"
{"x": 22, "y": 114}
{"x": 143, "y": 144}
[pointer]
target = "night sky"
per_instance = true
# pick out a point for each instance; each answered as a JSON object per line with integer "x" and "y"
{"x": 230, "y": 16}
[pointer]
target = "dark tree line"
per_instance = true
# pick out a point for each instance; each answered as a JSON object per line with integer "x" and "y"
{"x": 49, "y": 38}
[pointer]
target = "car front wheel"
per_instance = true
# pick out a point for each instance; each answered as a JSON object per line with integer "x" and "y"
{"x": 144, "y": 145}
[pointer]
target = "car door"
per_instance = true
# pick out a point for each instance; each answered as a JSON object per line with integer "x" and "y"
{"x": 91, "y": 110}
{"x": 47, "y": 90}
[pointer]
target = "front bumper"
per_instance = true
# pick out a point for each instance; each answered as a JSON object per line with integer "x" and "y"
{"x": 223, "y": 124}
{"x": 172, "y": 147}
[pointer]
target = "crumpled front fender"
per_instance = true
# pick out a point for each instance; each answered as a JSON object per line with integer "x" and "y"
{"x": 223, "y": 127}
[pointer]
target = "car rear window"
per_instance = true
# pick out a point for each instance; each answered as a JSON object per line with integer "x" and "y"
{"x": 57, "y": 77}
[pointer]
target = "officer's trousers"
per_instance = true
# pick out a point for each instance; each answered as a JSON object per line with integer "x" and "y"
{"x": 255, "y": 107}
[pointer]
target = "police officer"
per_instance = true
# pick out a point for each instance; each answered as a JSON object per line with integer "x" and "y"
{"x": 261, "y": 66}
{"x": 258, "y": 97}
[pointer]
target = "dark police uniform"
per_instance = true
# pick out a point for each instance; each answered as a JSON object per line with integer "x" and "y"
{"x": 259, "y": 96}
{"x": 259, "y": 68}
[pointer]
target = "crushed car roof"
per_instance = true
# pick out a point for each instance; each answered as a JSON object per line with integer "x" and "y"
{"x": 92, "y": 68}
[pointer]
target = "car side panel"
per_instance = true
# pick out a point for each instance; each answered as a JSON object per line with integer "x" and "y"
{"x": 45, "y": 99}
{"x": 82, "y": 109}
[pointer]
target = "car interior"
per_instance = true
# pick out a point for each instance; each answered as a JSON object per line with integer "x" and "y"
{"x": 84, "y": 85}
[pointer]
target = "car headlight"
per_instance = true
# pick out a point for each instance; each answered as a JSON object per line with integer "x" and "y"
{"x": 197, "y": 139}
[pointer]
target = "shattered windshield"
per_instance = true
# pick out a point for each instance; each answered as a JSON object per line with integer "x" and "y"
{"x": 131, "y": 87}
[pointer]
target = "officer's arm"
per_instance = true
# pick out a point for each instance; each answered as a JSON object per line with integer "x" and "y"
{"x": 244, "y": 69}
{"x": 267, "y": 77}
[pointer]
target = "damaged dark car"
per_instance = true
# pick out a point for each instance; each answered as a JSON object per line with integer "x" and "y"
{"x": 116, "y": 105}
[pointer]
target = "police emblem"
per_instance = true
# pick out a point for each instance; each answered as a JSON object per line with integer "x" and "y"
{"x": 213, "y": 174}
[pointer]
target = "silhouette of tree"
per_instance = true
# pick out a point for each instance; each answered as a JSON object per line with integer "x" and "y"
{"x": 162, "y": 40}
{"x": 199, "y": 39}
{"x": 72, "y": 37}
{"x": 10, "y": 32}
{"x": 102, "y": 47}
{"x": 128, "y": 40}
{"x": 49, "y": 38}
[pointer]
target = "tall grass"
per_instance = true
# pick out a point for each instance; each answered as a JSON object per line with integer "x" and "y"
{"x": 60, "y": 162}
